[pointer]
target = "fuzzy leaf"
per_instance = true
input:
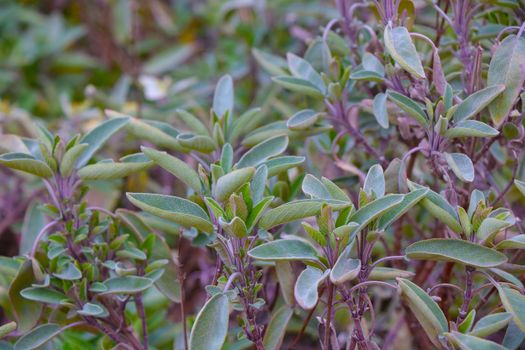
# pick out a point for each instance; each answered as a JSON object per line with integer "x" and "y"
{"x": 490, "y": 324}
{"x": 44, "y": 295}
{"x": 178, "y": 210}
{"x": 263, "y": 151}
{"x": 470, "y": 342}
{"x": 223, "y": 97}
{"x": 345, "y": 268}
{"x": 26, "y": 163}
{"x": 128, "y": 165}
{"x": 38, "y": 337}
{"x": 298, "y": 85}
{"x": 402, "y": 49}
{"x": 409, "y": 106}
{"x": 425, "y": 309}
{"x": 211, "y": 325}
{"x": 175, "y": 166}
{"x": 455, "y": 250}
{"x": 476, "y": 102}
{"x": 302, "y": 69}
{"x": 461, "y": 165}
{"x": 276, "y": 329}
{"x": 516, "y": 242}
{"x": 514, "y": 303}
{"x": 471, "y": 128}
{"x": 375, "y": 209}
{"x": 231, "y": 182}
{"x": 127, "y": 285}
{"x": 380, "y": 111}
{"x": 306, "y": 286}
{"x": 506, "y": 67}
{"x": 409, "y": 200}
{"x": 284, "y": 249}
{"x": 375, "y": 181}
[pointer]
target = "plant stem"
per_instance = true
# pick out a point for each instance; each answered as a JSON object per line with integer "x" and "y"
{"x": 326, "y": 340}
{"x": 142, "y": 315}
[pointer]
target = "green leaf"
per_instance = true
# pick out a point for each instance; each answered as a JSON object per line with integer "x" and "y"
{"x": 315, "y": 188}
{"x": 455, "y": 250}
{"x": 302, "y": 69}
{"x": 257, "y": 211}
{"x": 167, "y": 59}
{"x": 516, "y": 242}
{"x": 236, "y": 227}
{"x": 130, "y": 164}
{"x": 67, "y": 164}
{"x": 90, "y": 309}
{"x": 489, "y": 228}
{"x": 127, "y": 285}
{"x": 375, "y": 181}
{"x": 276, "y": 329}
{"x": 476, "y": 102}
{"x": 490, "y": 324}
{"x": 506, "y": 67}
{"x": 303, "y": 119}
{"x": 298, "y": 85}
{"x": 440, "y": 208}
{"x": 374, "y": 209}
{"x": 380, "y": 273}
{"x": 98, "y": 136}
{"x": 273, "y": 64}
{"x": 227, "y": 157}
{"x": 175, "y": 166}
{"x": 7, "y": 328}
{"x": 520, "y": 185}
{"x": 211, "y": 325}
{"x": 26, "y": 163}
{"x": 425, "y": 309}
{"x": 34, "y": 221}
{"x": 380, "y": 110}
{"x": 514, "y": 336}
{"x": 192, "y": 122}
{"x": 402, "y": 49}
{"x": 69, "y": 273}
{"x": 44, "y": 295}
{"x": 199, "y": 143}
{"x": 409, "y": 200}
{"x": 246, "y": 123}
{"x": 471, "y": 128}
{"x": 231, "y": 182}
{"x": 286, "y": 278}
{"x": 279, "y": 164}
{"x": 461, "y": 165}
{"x": 38, "y": 337}
{"x": 25, "y": 310}
{"x": 263, "y": 151}
{"x": 306, "y": 286}
{"x": 295, "y": 210}
{"x": 514, "y": 303}
{"x": 284, "y": 249}
{"x": 409, "y": 106}
{"x": 178, "y": 210}
{"x": 345, "y": 268}
{"x": 223, "y": 97}
{"x": 469, "y": 342}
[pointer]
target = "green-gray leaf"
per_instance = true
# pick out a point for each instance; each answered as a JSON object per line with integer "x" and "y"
{"x": 37, "y": 337}
{"x": 128, "y": 165}
{"x": 284, "y": 249}
{"x": 409, "y": 200}
{"x": 409, "y": 106}
{"x": 179, "y": 210}
{"x": 514, "y": 302}
{"x": 380, "y": 111}
{"x": 461, "y": 165}
{"x": 26, "y": 163}
{"x": 425, "y": 309}
{"x": 506, "y": 67}
{"x": 302, "y": 69}
{"x": 306, "y": 286}
{"x": 211, "y": 325}
{"x": 231, "y": 182}
{"x": 263, "y": 151}
{"x": 175, "y": 166}
{"x": 476, "y": 102}
{"x": 375, "y": 181}
{"x": 471, "y": 128}
{"x": 402, "y": 49}
{"x": 127, "y": 285}
{"x": 223, "y": 97}
{"x": 276, "y": 329}
{"x": 490, "y": 324}
{"x": 44, "y": 295}
{"x": 98, "y": 136}
{"x": 345, "y": 268}
{"x": 455, "y": 250}
{"x": 470, "y": 342}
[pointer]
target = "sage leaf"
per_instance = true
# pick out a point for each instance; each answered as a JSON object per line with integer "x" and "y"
{"x": 308, "y": 282}
{"x": 402, "y": 49}
{"x": 471, "y": 128}
{"x": 223, "y": 97}
{"x": 380, "y": 110}
{"x": 425, "y": 309}
{"x": 516, "y": 242}
{"x": 284, "y": 249}
{"x": 299, "y": 85}
{"x": 211, "y": 325}
{"x": 44, "y": 295}
{"x": 37, "y": 337}
{"x": 175, "y": 166}
{"x": 98, "y": 136}
{"x": 128, "y": 165}
{"x": 175, "y": 209}
{"x": 231, "y": 182}
{"x": 461, "y": 165}
{"x": 506, "y": 67}
{"x": 127, "y": 285}
{"x": 411, "y": 107}
{"x": 490, "y": 324}
{"x": 374, "y": 209}
{"x": 286, "y": 278}
{"x": 302, "y": 69}
{"x": 476, "y": 102}
{"x": 375, "y": 181}
{"x": 263, "y": 151}
{"x": 514, "y": 303}
{"x": 345, "y": 268}
{"x": 26, "y": 163}
{"x": 470, "y": 342}
{"x": 276, "y": 329}
{"x": 455, "y": 250}
{"x": 394, "y": 213}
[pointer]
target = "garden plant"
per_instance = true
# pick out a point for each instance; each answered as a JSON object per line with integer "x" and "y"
{"x": 262, "y": 175}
